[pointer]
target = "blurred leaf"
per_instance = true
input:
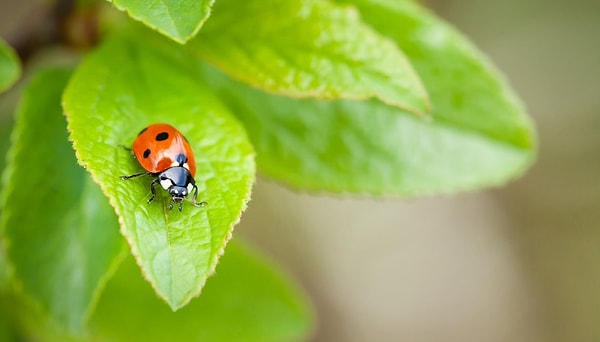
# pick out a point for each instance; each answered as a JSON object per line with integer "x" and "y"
{"x": 61, "y": 234}
{"x": 10, "y": 67}
{"x": 366, "y": 147}
{"x": 4, "y": 274}
{"x": 467, "y": 92}
{"x": 308, "y": 48}
{"x": 179, "y": 20}
{"x": 479, "y": 136}
{"x": 121, "y": 88}
{"x": 248, "y": 299}
{"x": 5, "y": 129}
{"x": 7, "y": 319}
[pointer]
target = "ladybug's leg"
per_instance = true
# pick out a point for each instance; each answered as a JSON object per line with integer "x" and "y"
{"x": 135, "y": 175}
{"x": 195, "y": 190}
{"x": 154, "y": 182}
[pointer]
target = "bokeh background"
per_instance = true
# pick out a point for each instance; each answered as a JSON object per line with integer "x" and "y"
{"x": 520, "y": 263}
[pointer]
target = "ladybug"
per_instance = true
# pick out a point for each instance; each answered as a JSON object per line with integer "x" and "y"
{"x": 166, "y": 154}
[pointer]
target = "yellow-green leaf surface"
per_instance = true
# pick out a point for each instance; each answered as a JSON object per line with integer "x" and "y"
{"x": 10, "y": 68}
{"x": 466, "y": 89}
{"x": 248, "y": 299}
{"x": 308, "y": 49}
{"x": 179, "y": 20}
{"x": 61, "y": 235}
{"x": 118, "y": 90}
{"x": 479, "y": 135}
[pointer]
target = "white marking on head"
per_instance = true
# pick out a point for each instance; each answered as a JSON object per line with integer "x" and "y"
{"x": 166, "y": 183}
{"x": 190, "y": 187}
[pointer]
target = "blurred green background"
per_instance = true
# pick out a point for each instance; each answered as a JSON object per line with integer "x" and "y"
{"x": 519, "y": 263}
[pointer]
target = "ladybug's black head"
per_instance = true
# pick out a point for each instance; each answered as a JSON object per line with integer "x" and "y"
{"x": 178, "y": 193}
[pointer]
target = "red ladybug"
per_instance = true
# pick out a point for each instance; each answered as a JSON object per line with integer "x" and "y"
{"x": 166, "y": 154}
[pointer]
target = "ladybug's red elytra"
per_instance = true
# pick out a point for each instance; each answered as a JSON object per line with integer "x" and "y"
{"x": 166, "y": 154}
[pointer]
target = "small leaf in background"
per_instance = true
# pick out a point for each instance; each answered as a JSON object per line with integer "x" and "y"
{"x": 125, "y": 85}
{"x": 248, "y": 299}
{"x": 179, "y": 20}
{"x": 10, "y": 67}
{"x": 308, "y": 48}
{"x": 61, "y": 235}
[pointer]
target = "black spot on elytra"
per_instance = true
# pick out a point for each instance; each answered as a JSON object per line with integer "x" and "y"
{"x": 147, "y": 153}
{"x": 162, "y": 136}
{"x": 142, "y": 131}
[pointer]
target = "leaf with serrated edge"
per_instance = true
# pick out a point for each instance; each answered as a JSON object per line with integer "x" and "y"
{"x": 61, "y": 234}
{"x": 248, "y": 299}
{"x": 179, "y": 20}
{"x": 10, "y": 67}
{"x": 121, "y": 88}
{"x": 308, "y": 49}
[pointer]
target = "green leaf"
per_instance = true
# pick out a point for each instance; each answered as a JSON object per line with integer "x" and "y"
{"x": 467, "y": 92}
{"x": 121, "y": 88}
{"x": 10, "y": 68}
{"x": 7, "y": 319}
{"x": 179, "y": 20}
{"x": 5, "y": 129}
{"x": 308, "y": 49}
{"x": 249, "y": 299}
{"x": 367, "y": 147}
{"x": 4, "y": 273}
{"x": 479, "y": 136}
{"x": 61, "y": 234}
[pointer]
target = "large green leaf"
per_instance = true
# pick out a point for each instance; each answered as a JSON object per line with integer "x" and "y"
{"x": 368, "y": 147}
{"x": 248, "y": 299}
{"x": 121, "y": 88}
{"x": 179, "y": 20}
{"x": 10, "y": 68}
{"x": 308, "y": 48}
{"x": 62, "y": 237}
{"x": 479, "y": 135}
